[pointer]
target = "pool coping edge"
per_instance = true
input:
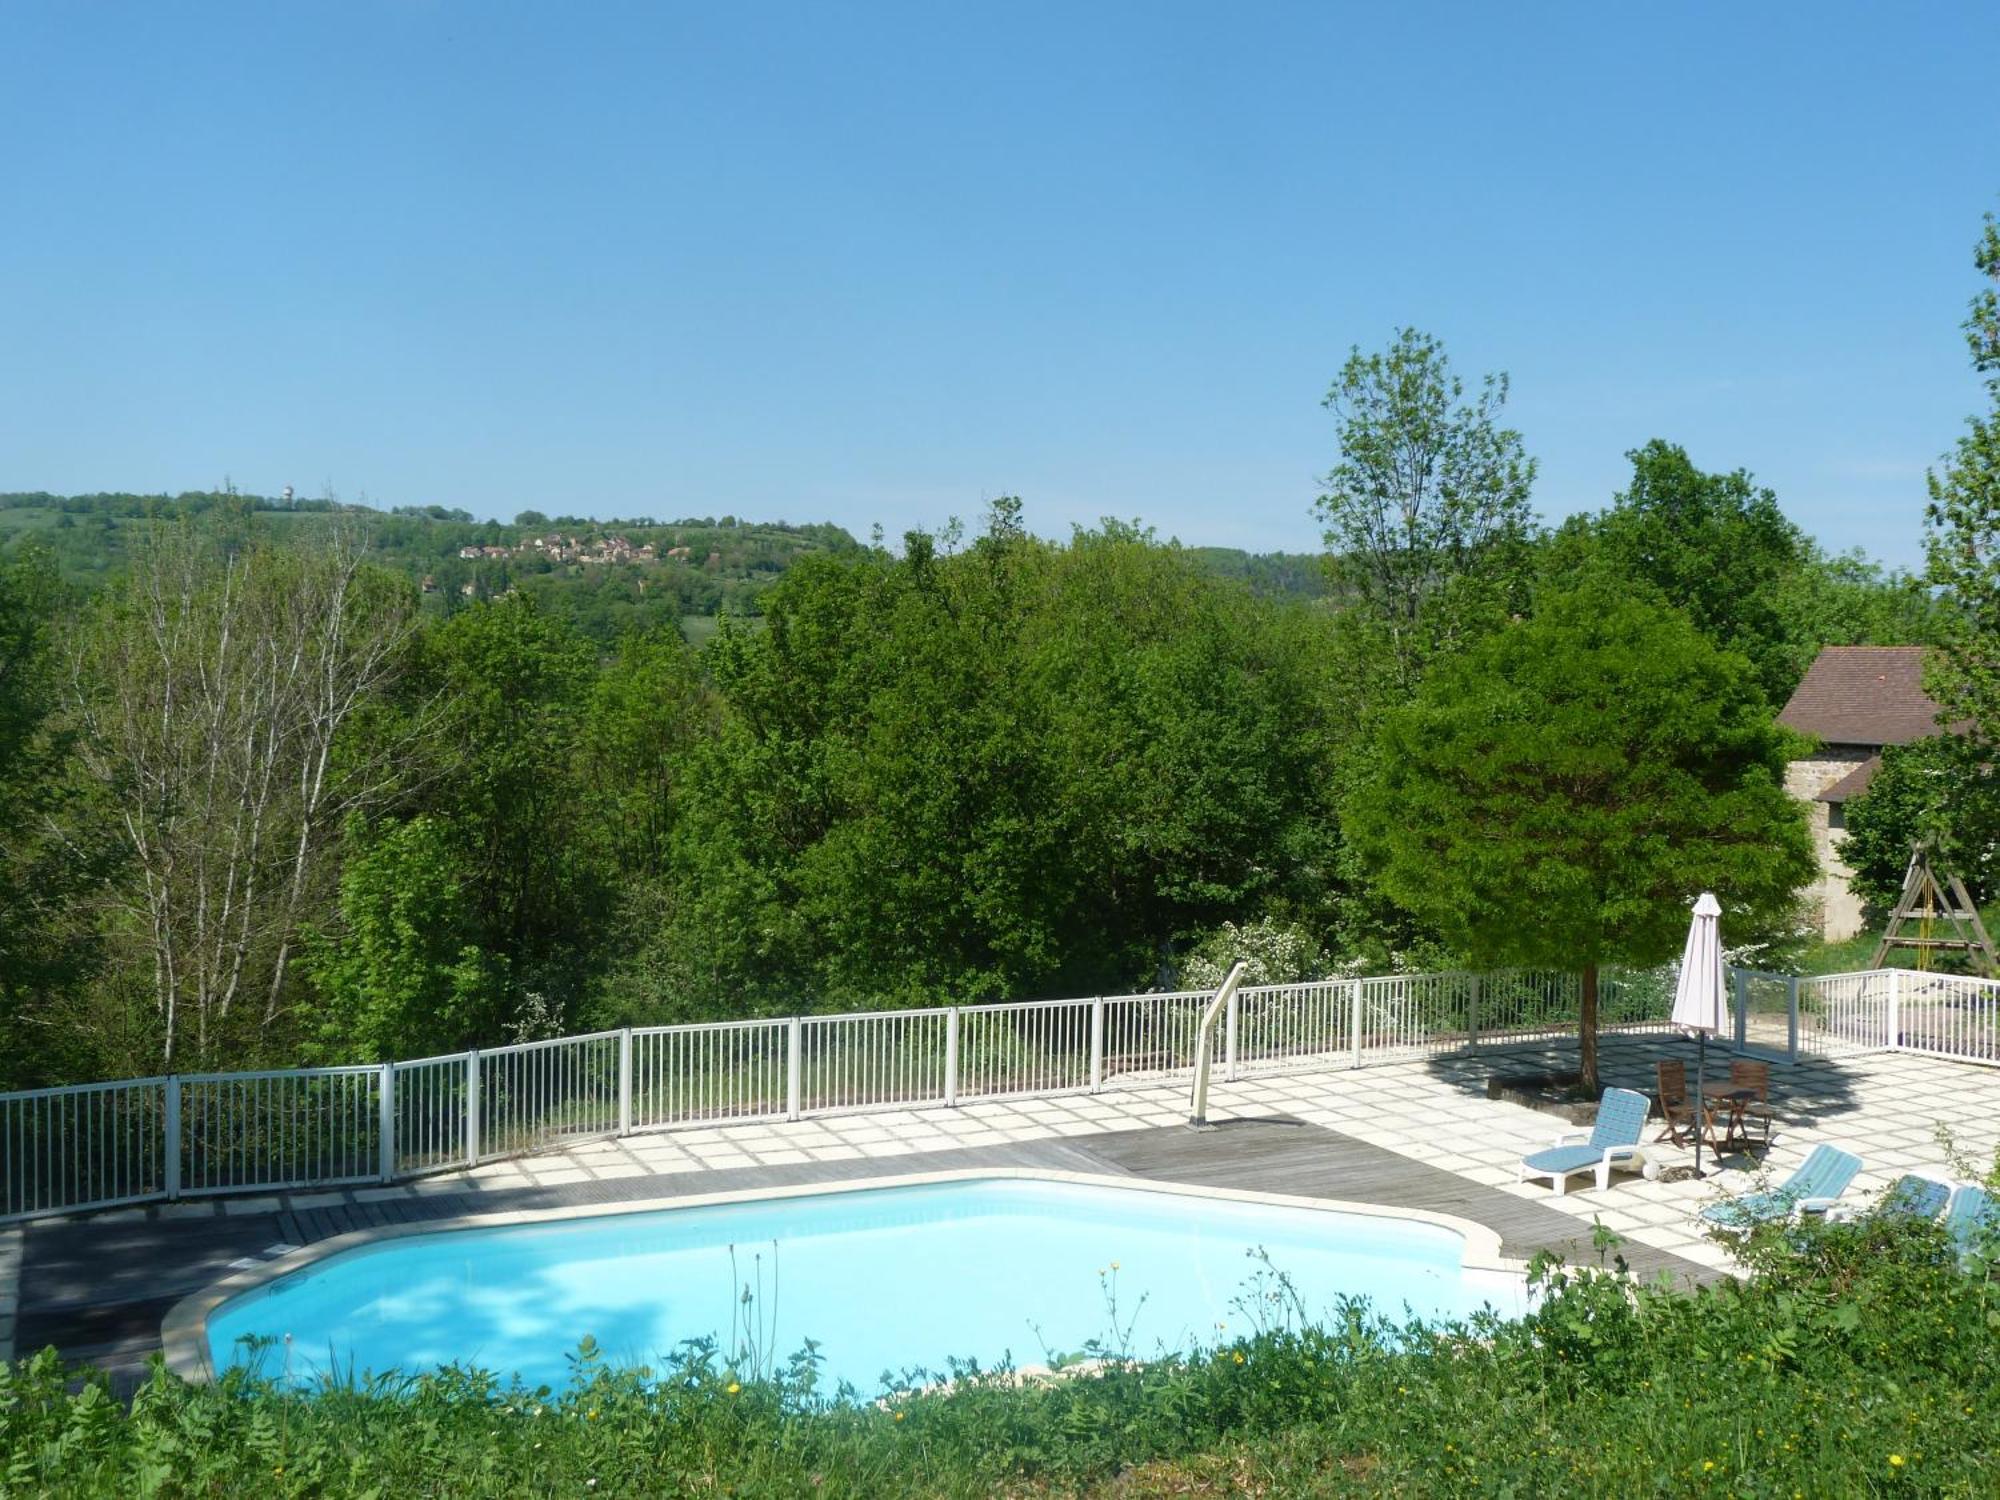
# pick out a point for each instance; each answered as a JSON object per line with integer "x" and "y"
{"x": 184, "y": 1330}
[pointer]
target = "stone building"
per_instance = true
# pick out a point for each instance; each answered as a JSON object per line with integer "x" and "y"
{"x": 1854, "y": 701}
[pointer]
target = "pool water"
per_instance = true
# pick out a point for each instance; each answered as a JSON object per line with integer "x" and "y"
{"x": 885, "y": 1280}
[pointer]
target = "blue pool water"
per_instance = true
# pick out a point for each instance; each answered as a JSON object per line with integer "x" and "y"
{"x": 884, "y": 1279}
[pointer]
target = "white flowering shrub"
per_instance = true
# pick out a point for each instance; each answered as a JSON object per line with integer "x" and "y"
{"x": 1274, "y": 953}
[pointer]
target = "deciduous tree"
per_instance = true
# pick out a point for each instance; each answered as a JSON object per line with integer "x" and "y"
{"x": 1945, "y": 788}
{"x": 209, "y": 694}
{"x": 1963, "y": 541}
{"x": 1715, "y": 545}
{"x": 1427, "y": 513}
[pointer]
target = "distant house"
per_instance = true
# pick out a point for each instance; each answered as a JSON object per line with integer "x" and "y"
{"x": 1855, "y": 701}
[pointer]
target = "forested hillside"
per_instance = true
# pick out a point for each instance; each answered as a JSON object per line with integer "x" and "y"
{"x": 286, "y": 781}
{"x": 609, "y": 576}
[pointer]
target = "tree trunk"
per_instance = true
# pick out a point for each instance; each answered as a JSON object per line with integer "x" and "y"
{"x": 1586, "y": 1036}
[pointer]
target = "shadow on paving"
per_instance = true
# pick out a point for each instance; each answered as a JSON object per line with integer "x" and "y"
{"x": 1813, "y": 1094}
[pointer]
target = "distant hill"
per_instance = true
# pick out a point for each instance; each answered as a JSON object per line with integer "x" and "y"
{"x": 611, "y": 575}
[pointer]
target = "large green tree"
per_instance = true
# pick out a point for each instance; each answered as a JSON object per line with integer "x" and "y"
{"x": 1714, "y": 544}
{"x": 1557, "y": 795}
{"x": 1427, "y": 512}
{"x": 1963, "y": 542}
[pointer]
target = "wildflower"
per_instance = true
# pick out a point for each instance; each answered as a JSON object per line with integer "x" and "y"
{"x": 1895, "y": 1460}
{"x": 899, "y": 1416}
{"x": 732, "y": 1387}
{"x": 1707, "y": 1464}
{"x": 1114, "y": 1265}
{"x": 1239, "y": 1356}
{"x": 591, "y": 1415}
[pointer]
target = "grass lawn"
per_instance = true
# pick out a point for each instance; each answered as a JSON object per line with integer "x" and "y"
{"x": 1854, "y": 953}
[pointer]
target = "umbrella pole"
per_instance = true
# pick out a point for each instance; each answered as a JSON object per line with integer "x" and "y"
{"x": 1700, "y": 1069}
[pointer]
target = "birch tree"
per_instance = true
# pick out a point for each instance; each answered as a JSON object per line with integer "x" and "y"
{"x": 209, "y": 694}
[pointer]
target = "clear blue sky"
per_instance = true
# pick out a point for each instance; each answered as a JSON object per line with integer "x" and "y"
{"x": 882, "y": 262}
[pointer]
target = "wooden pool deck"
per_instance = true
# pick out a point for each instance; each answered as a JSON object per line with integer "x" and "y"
{"x": 96, "y": 1287}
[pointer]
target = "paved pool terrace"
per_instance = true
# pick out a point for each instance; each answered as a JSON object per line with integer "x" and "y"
{"x": 1418, "y": 1134}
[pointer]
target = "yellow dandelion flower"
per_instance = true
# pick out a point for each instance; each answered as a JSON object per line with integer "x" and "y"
{"x": 732, "y": 1387}
{"x": 1895, "y": 1460}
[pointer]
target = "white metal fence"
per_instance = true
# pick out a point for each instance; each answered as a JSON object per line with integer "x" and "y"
{"x": 97, "y": 1145}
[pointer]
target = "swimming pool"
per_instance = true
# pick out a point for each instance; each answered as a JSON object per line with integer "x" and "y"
{"x": 885, "y": 1278}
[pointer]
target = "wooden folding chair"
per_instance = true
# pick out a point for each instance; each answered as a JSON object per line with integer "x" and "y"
{"x": 1754, "y": 1078}
{"x": 1676, "y": 1108}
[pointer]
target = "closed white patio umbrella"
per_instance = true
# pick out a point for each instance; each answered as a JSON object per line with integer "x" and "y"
{"x": 1701, "y": 995}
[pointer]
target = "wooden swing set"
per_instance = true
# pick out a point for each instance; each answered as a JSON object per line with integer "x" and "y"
{"x": 1925, "y": 901}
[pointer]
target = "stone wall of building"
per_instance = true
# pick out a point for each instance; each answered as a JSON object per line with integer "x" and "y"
{"x": 1837, "y": 910}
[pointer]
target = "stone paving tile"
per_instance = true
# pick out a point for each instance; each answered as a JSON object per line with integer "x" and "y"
{"x": 255, "y": 1205}
{"x": 433, "y": 1186}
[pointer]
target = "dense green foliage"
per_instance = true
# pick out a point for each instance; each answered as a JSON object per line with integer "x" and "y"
{"x": 1859, "y": 1359}
{"x": 1964, "y": 521}
{"x": 1553, "y": 795}
{"x": 42, "y": 873}
{"x": 1021, "y": 769}
{"x": 1716, "y": 547}
{"x": 1944, "y": 789}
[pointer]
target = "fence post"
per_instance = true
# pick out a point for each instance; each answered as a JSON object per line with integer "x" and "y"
{"x": 1229, "y": 1038}
{"x": 1472, "y": 1013}
{"x": 385, "y": 1122}
{"x": 1894, "y": 1041}
{"x": 625, "y": 1080}
{"x": 472, "y": 1108}
{"x": 951, "y": 1057}
{"x": 173, "y": 1136}
{"x": 1792, "y": 1019}
{"x": 1739, "y": 993}
{"x": 1354, "y": 1022}
{"x": 794, "y": 1066}
{"x": 1096, "y": 1043}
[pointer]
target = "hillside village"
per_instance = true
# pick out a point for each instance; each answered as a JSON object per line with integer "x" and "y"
{"x": 556, "y": 547}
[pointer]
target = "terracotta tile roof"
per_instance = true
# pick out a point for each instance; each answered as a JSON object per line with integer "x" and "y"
{"x": 1854, "y": 783}
{"x": 1863, "y": 695}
